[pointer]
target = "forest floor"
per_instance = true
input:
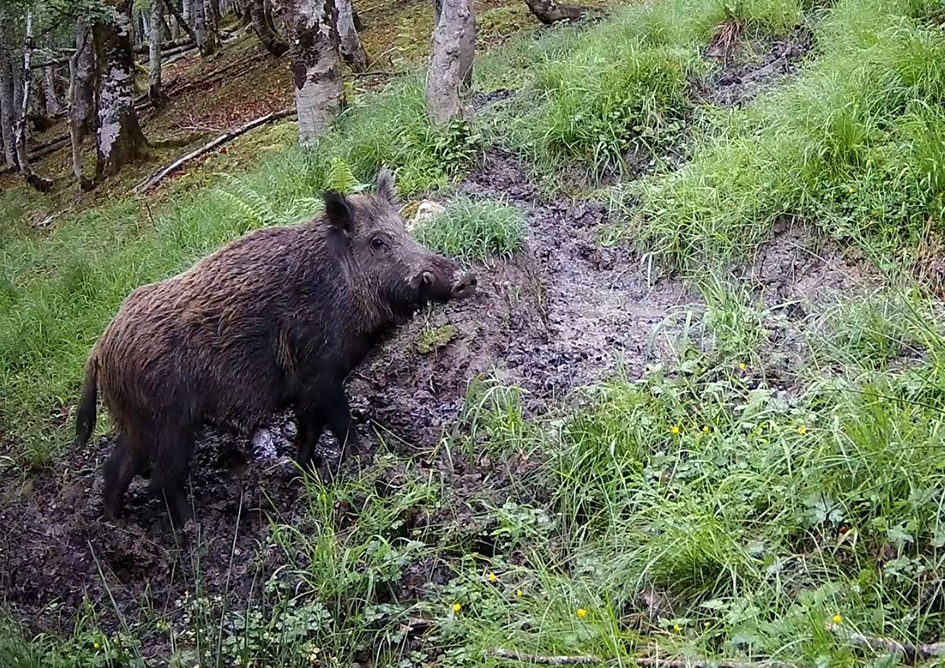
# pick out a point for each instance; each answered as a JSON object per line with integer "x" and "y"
{"x": 695, "y": 414}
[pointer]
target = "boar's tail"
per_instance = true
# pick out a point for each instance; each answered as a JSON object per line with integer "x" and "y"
{"x": 85, "y": 420}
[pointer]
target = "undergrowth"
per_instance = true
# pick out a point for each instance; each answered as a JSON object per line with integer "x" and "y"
{"x": 851, "y": 146}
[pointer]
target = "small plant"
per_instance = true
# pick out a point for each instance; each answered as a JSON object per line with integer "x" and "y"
{"x": 475, "y": 230}
{"x": 434, "y": 338}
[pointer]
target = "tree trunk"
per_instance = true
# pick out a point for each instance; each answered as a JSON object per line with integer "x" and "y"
{"x": 451, "y": 62}
{"x": 6, "y": 93}
{"x": 155, "y": 94}
{"x": 120, "y": 140}
{"x": 187, "y": 10}
{"x": 83, "y": 39}
{"x": 49, "y": 91}
{"x": 549, "y": 11}
{"x": 214, "y": 14}
{"x": 316, "y": 67}
{"x": 351, "y": 48}
{"x": 207, "y": 40}
{"x": 264, "y": 31}
{"x": 180, "y": 21}
{"x": 35, "y": 180}
{"x": 84, "y": 109}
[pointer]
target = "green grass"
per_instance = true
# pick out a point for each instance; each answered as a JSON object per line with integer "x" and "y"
{"x": 850, "y": 146}
{"x": 474, "y": 230}
{"x": 619, "y": 95}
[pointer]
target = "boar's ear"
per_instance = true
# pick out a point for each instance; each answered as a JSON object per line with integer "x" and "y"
{"x": 338, "y": 210}
{"x": 385, "y": 185}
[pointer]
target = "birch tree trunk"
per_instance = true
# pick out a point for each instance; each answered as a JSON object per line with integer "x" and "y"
{"x": 22, "y": 154}
{"x": 264, "y": 31}
{"x": 119, "y": 140}
{"x": 351, "y": 48}
{"x": 451, "y": 62}
{"x": 83, "y": 106}
{"x": 49, "y": 91}
{"x": 6, "y": 93}
{"x": 155, "y": 94}
{"x": 316, "y": 66}
{"x": 549, "y": 11}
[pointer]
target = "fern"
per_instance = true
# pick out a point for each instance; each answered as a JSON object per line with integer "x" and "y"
{"x": 342, "y": 179}
{"x": 257, "y": 209}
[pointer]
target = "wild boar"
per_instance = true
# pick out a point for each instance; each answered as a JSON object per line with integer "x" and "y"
{"x": 275, "y": 320}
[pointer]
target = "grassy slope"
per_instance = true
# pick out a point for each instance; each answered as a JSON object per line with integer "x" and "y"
{"x": 698, "y": 510}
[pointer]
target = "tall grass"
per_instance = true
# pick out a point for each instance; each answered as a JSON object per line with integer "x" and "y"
{"x": 850, "y": 146}
{"x": 609, "y": 99}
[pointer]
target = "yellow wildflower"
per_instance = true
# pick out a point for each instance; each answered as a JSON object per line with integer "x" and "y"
{"x": 519, "y": 593}
{"x": 492, "y": 577}
{"x": 675, "y": 430}
{"x": 457, "y": 607}
{"x": 677, "y": 628}
{"x": 742, "y": 366}
{"x": 581, "y": 613}
{"x": 705, "y": 429}
{"x": 96, "y": 645}
{"x": 802, "y": 430}
{"x": 837, "y": 619}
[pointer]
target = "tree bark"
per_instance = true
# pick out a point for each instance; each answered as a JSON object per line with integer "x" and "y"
{"x": 207, "y": 40}
{"x": 35, "y": 180}
{"x": 351, "y": 48}
{"x": 84, "y": 108}
{"x": 214, "y": 14}
{"x": 316, "y": 67}
{"x": 264, "y": 31}
{"x": 49, "y": 91}
{"x": 119, "y": 140}
{"x": 83, "y": 44}
{"x": 6, "y": 93}
{"x": 451, "y": 62}
{"x": 179, "y": 20}
{"x": 155, "y": 93}
{"x": 549, "y": 11}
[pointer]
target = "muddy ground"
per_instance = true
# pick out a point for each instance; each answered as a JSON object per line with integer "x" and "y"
{"x": 561, "y": 314}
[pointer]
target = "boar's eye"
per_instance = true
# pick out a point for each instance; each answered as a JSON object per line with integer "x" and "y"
{"x": 377, "y": 243}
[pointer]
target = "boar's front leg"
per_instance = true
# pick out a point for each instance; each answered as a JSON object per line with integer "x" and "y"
{"x": 311, "y": 423}
{"x": 337, "y": 414}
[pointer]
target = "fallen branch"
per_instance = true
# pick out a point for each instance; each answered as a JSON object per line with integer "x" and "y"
{"x": 206, "y": 148}
{"x": 644, "y": 661}
{"x": 703, "y": 663}
{"x": 909, "y": 652}
{"x": 546, "y": 660}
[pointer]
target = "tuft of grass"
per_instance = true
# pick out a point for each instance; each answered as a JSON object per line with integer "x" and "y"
{"x": 474, "y": 230}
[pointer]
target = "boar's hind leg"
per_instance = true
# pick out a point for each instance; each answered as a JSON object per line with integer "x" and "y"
{"x": 125, "y": 460}
{"x": 175, "y": 446}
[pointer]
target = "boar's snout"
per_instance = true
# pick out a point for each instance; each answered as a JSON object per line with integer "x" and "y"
{"x": 464, "y": 285}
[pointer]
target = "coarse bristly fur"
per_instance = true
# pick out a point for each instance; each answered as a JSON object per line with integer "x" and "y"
{"x": 275, "y": 319}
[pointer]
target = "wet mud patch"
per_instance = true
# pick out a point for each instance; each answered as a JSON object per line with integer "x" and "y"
{"x": 749, "y": 66}
{"x": 563, "y": 313}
